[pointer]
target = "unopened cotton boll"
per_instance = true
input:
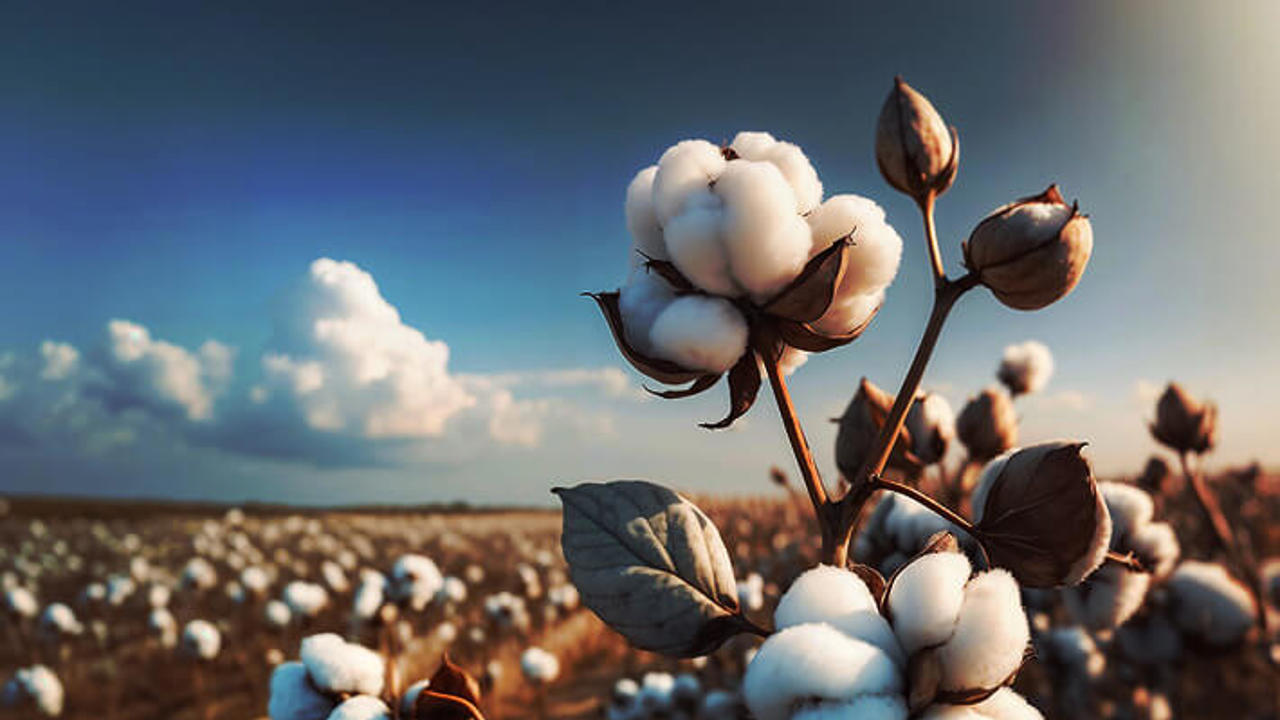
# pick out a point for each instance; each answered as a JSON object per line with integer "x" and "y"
{"x": 539, "y": 666}
{"x": 839, "y": 598}
{"x": 201, "y": 640}
{"x": 700, "y": 333}
{"x": 1210, "y": 605}
{"x": 871, "y": 707}
{"x": 685, "y": 168}
{"x": 1025, "y": 367}
{"x": 991, "y": 634}
{"x": 337, "y": 666}
{"x": 642, "y": 216}
{"x": 926, "y": 597}
{"x": 36, "y": 688}
{"x": 815, "y": 662}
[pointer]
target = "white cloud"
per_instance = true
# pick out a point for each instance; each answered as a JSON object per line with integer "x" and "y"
{"x": 609, "y": 381}
{"x": 60, "y": 360}
{"x": 1072, "y": 400}
{"x": 145, "y": 372}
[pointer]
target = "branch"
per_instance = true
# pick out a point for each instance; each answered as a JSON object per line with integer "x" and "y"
{"x": 800, "y": 447}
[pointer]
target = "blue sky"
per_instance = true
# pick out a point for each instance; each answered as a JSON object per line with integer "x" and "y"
{"x": 182, "y": 166}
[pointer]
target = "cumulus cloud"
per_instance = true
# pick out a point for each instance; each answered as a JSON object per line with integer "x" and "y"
{"x": 141, "y": 371}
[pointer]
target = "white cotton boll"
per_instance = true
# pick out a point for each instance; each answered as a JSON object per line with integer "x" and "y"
{"x": 656, "y": 694}
{"x": 640, "y": 301}
{"x": 847, "y": 314}
{"x": 1157, "y": 545}
{"x": 766, "y": 242}
{"x": 991, "y": 634}
{"x": 255, "y": 580}
{"x": 198, "y": 574}
{"x": 1026, "y": 367}
{"x": 334, "y": 576}
{"x": 36, "y": 687}
{"x": 752, "y": 144}
{"x": 539, "y": 666}
{"x": 119, "y": 589}
{"x": 293, "y": 697}
{"x": 700, "y": 333}
{"x": 1109, "y": 597}
{"x": 58, "y": 619}
{"x": 161, "y": 624}
{"x": 872, "y": 707}
{"x": 305, "y": 599}
{"x": 839, "y": 598}
{"x": 815, "y": 662}
{"x": 1130, "y": 507}
{"x": 1150, "y": 640}
{"x": 687, "y": 691}
{"x": 337, "y": 666}
{"x": 201, "y": 640}
{"x": 695, "y": 242}
{"x": 791, "y": 360}
{"x": 361, "y": 707}
{"x": 790, "y": 161}
{"x": 926, "y": 598}
{"x": 872, "y": 261}
{"x": 685, "y": 168}
{"x": 642, "y": 217}
{"x": 1209, "y": 604}
{"x": 1004, "y": 704}
{"x": 415, "y": 580}
{"x": 20, "y": 602}
{"x": 1074, "y": 648}
{"x": 911, "y": 524}
{"x": 158, "y": 596}
{"x": 277, "y": 614}
{"x": 410, "y": 697}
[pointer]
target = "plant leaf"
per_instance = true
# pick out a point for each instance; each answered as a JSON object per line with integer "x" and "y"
{"x": 811, "y": 293}
{"x": 744, "y": 383}
{"x": 651, "y": 565}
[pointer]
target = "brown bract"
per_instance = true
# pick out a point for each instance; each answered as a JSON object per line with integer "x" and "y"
{"x": 988, "y": 425}
{"x": 786, "y": 319}
{"x": 860, "y": 427}
{"x": 1183, "y": 424}
{"x": 1041, "y": 515}
{"x": 916, "y": 152}
{"x": 1031, "y": 252}
{"x": 452, "y": 694}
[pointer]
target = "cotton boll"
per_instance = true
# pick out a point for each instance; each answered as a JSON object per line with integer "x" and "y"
{"x": 255, "y": 580}
{"x": 539, "y": 666}
{"x": 642, "y": 217}
{"x": 1209, "y": 604}
{"x": 1026, "y": 367}
{"x": 415, "y": 580}
{"x": 293, "y": 697}
{"x": 361, "y": 707}
{"x": 1109, "y": 597}
{"x": 368, "y": 600}
{"x": 1130, "y": 508}
{"x": 790, "y": 161}
{"x": 277, "y": 614}
{"x": 926, "y": 599}
{"x": 35, "y": 687}
{"x": 1156, "y": 545}
{"x": 874, "y": 707}
{"x": 912, "y": 524}
{"x": 640, "y": 301}
{"x": 753, "y": 145}
{"x": 657, "y": 693}
{"x": 872, "y": 261}
{"x": 686, "y": 167}
{"x": 991, "y": 634}
{"x": 791, "y": 360}
{"x": 1075, "y": 649}
{"x": 58, "y": 619}
{"x": 847, "y": 314}
{"x": 839, "y": 598}
{"x": 337, "y": 666}
{"x": 766, "y": 242}
{"x": 20, "y": 602}
{"x": 162, "y": 625}
{"x": 695, "y": 242}
{"x": 932, "y": 424}
{"x": 201, "y": 640}
{"x": 687, "y": 692}
{"x": 1004, "y": 704}
{"x": 700, "y": 333}
{"x": 815, "y": 662}
{"x": 305, "y": 599}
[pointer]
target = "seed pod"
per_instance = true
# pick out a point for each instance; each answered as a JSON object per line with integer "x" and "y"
{"x": 1183, "y": 424}
{"x": 932, "y": 426}
{"x": 1038, "y": 513}
{"x": 988, "y": 424}
{"x": 1031, "y": 252}
{"x": 916, "y": 152}
{"x": 860, "y": 426}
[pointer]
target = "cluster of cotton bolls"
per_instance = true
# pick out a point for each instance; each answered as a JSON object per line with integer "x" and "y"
{"x": 741, "y": 222}
{"x": 896, "y": 530}
{"x": 663, "y": 696}
{"x": 940, "y": 643}
{"x": 34, "y": 689}
{"x": 334, "y": 680}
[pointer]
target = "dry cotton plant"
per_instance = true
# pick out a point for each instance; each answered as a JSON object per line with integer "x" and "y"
{"x": 740, "y": 268}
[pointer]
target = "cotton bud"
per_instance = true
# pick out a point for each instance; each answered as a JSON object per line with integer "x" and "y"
{"x": 916, "y": 152}
{"x": 988, "y": 424}
{"x": 1031, "y": 252}
{"x": 1025, "y": 368}
{"x": 1183, "y": 424}
{"x": 931, "y": 425}
{"x": 1038, "y": 513}
{"x": 860, "y": 426}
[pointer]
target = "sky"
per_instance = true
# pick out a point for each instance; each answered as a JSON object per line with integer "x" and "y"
{"x": 220, "y": 223}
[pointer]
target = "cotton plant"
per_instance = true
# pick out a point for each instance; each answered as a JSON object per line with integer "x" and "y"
{"x": 738, "y": 265}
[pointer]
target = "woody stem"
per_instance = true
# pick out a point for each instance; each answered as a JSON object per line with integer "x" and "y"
{"x": 931, "y": 237}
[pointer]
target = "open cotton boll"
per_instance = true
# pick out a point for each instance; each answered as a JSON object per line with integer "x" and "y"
{"x": 338, "y": 666}
{"x": 201, "y": 640}
{"x": 361, "y": 707}
{"x": 368, "y": 600}
{"x": 686, "y": 167}
{"x": 1156, "y": 545}
{"x": 1026, "y": 367}
{"x": 1004, "y": 704}
{"x": 293, "y": 697}
{"x": 991, "y": 634}
{"x": 415, "y": 580}
{"x": 839, "y": 598}
{"x": 695, "y": 242}
{"x": 36, "y": 687}
{"x": 277, "y": 614}
{"x": 640, "y": 301}
{"x": 926, "y": 598}
{"x": 911, "y": 524}
{"x": 815, "y": 662}
{"x": 539, "y": 666}
{"x": 58, "y": 619}
{"x": 872, "y": 707}
{"x": 790, "y": 161}
{"x": 642, "y": 217}
{"x": 1130, "y": 507}
{"x": 767, "y": 243}
{"x": 255, "y": 579}
{"x": 847, "y": 314}
{"x": 161, "y": 624}
{"x": 305, "y": 599}
{"x": 700, "y": 333}
{"x": 1209, "y": 604}
{"x": 20, "y": 602}
{"x": 1073, "y": 648}
{"x": 657, "y": 692}
{"x": 872, "y": 261}
{"x": 1108, "y": 598}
